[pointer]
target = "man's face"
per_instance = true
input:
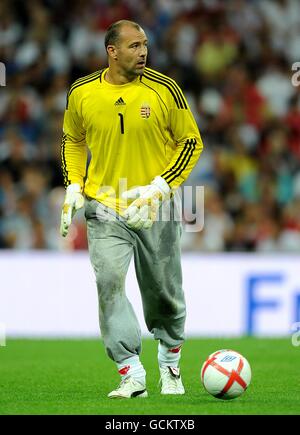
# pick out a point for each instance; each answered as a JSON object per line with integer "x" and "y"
{"x": 131, "y": 51}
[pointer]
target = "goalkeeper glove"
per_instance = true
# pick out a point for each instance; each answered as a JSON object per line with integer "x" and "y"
{"x": 142, "y": 212}
{"x": 74, "y": 200}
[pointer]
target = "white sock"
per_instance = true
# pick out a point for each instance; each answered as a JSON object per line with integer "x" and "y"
{"x": 168, "y": 357}
{"x": 132, "y": 367}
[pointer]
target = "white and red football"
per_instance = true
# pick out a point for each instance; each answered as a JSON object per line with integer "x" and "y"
{"x": 226, "y": 374}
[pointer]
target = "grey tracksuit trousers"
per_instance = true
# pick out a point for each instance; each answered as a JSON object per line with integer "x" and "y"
{"x": 158, "y": 269}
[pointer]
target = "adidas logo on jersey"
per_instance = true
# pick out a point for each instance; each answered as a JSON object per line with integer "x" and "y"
{"x": 120, "y": 102}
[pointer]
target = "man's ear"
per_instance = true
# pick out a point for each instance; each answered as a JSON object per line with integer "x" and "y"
{"x": 112, "y": 52}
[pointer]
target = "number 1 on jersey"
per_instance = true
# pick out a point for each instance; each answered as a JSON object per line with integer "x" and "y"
{"x": 122, "y": 122}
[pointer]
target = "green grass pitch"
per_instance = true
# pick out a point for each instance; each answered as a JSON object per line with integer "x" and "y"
{"x": 74, "y": 377}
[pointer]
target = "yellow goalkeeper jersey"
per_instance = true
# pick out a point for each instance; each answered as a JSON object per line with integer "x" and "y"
{"x": 133, "y": 132}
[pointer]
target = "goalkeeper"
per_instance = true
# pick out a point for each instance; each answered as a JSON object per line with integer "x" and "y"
{"x": 143, "y": 142}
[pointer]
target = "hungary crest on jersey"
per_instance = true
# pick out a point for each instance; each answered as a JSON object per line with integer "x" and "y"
{"x": 145, "y": 111}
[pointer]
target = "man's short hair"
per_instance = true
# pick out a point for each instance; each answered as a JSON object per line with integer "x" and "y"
{"x": 113, "y": 32}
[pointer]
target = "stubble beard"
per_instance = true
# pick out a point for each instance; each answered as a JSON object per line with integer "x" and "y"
{"x": 132, "y": 74}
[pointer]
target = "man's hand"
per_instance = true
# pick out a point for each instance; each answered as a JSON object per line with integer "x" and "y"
{"x": 73, "y": 202}
{"x": 142, "y": 212}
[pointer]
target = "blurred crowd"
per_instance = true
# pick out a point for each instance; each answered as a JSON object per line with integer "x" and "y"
{"x": 233, "y": 60}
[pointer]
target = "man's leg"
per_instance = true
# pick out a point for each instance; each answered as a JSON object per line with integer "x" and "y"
{"x": 158, "y": 269}
{"x": 110, "y": 249}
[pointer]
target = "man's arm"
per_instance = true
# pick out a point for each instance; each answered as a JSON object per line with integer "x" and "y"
{"x": 188, "y": 144}
{"x": 73, "y": 147}
{"x": 74, "y": 159}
